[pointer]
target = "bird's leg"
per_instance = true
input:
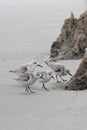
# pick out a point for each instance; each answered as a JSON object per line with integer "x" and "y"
{"x": 30, "y": 90}
{"x": 45, "y": 88}
{"x": 26, "y": 89}
{"x": 57, "y": 79}
{"x": 62, "y": 78}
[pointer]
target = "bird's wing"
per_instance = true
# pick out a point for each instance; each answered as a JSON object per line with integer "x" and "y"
{"x": 58, "y": 68}
{"x": 55, "y": 67}
{"x": 24, "y": 78}
{"x": 22, "y": 69}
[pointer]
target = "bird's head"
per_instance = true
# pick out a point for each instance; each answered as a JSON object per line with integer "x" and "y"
{"x": 35, "y": 63}
{"x": 39, "y": 75}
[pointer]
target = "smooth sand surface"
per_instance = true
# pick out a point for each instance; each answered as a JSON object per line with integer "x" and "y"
{"x": 56, "y": 109}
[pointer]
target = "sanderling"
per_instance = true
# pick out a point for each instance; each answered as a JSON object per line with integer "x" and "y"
{"x": 59, "y": 70}
{"x": 28, "y": 79}
{"x": 46, "y": 77}
{"x": 26, "y": 68}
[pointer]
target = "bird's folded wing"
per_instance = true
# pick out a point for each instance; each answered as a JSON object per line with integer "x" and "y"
{"x": 22, "y": 69}
{"x": 59, "y": 68}
{"x": 56, "y": 67}
{"x": 24, "y": 78}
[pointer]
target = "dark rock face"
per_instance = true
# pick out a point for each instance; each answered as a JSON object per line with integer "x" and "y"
{"x": 79, "y": 81}
{"x": 72, "y": 41}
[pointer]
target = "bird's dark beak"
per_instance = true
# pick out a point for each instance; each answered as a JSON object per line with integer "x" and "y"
{"x": 40, "y": 65}
{"x": 70, "y": 74}
{"x": 46, "y": 63}
{"x": 53, "y": 77}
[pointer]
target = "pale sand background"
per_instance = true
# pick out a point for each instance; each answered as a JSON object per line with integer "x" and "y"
{"x": 26, "y": 33}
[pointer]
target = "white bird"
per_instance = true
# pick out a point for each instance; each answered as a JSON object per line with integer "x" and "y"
{"x": 59, "y": 70}
{"x": 45, "y": 77}
{"x": 26, "y": 68}
{"x": 28, "y": 79}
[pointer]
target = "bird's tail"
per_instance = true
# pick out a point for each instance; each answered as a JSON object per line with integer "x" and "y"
{"x": 14, "y": 79}
{"x": 12, "y": 71}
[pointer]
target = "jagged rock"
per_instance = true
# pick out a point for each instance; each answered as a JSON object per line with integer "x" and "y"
{"x": 79, "y": 81}
{"x": 72, "y": 41}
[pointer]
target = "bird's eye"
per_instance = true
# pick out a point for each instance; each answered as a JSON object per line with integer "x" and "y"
{"x": 35, "y": 63}
{"x": 38, "y": 74}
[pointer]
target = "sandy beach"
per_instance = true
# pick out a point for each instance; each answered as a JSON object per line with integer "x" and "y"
{"x": 56, "y": 109}
{"x": 25, "y": 36}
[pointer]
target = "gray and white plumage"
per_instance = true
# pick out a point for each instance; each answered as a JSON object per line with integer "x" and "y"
{"x": 26, "y": 68}
{"x": 47, "y": 76}
{"x": 59, "y": 70}
{"x": 28, "y": 79}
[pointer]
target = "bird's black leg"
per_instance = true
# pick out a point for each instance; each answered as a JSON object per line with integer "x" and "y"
{"x": 62, "y": 78}
{"x": 30, "y": 90}
{"x": 57, "y": 79}
{"x": 45, "y": 88}
{"x": 26, "y": 89}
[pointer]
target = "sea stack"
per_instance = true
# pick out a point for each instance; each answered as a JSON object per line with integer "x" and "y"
{"x": 79, "y": 80}
{"x": 72, "y": 41}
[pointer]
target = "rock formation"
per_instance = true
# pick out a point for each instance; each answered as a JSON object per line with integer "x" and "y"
{"x": 79, "y": 81}
{"x": 72, "y": 41}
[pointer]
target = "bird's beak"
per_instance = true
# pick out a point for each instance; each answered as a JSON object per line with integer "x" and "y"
{"x": 40, "y": 65}
{"x": 70, "y": 74}
{"x": 46, "y": 62}
{"x": 53, "y": 77}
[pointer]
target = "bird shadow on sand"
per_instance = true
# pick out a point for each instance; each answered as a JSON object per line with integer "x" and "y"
{"x": 58, "y": 86}
{"x": 27, "y": 94}
{"x": 38, "y": 90}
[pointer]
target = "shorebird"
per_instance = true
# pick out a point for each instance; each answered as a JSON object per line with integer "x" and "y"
{"x": 59, "y": 70}
{"x": 26, "y": 68}
{"x": 28, "y": 79}
{"x": 46, "y": 77}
